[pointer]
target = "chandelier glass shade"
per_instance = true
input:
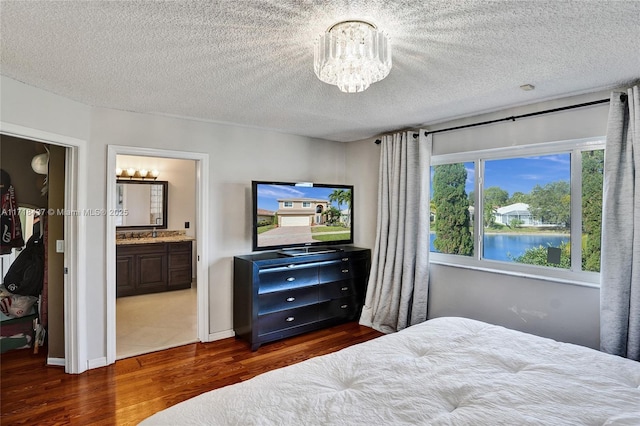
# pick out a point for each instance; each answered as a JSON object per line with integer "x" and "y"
{"x": 352, "y": 55}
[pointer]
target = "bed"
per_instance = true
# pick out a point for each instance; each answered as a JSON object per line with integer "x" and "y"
{"x": 445, "y": 371}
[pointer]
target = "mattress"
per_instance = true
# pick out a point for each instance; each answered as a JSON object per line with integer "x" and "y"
{"x": 445, "y": 371}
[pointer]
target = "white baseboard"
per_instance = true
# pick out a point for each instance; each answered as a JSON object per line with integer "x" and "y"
{"x": 221, "y": 335}
{"x": 96, "y": 363}
{"x": 59, "y": 362}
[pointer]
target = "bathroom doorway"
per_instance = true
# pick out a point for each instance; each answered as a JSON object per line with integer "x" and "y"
{"x": 143, "y": 323}
{"x": 155, "y": 320}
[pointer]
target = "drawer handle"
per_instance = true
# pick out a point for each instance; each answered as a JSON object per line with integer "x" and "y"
{"x": 344, "y": 288}
{"x": 290, "y": 299}
{"x": 291, "y": 279}
{"x": 345, "y": 259}
{"x": 344, "y": 271}
{"x": 289, "y": 319}
{"x": 291, "y": 266}
{"x": 344, "y": 306}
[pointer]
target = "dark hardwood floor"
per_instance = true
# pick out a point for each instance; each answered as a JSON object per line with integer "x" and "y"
{"x": 134, "y": 388}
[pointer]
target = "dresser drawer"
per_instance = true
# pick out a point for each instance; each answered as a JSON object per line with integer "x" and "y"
{"x": 285, "y": 278}
{"x": 345, "y": 308}
{"x": 336, "y": 290}
{"x": 335, "y": 271}
{"x": 282, "y": 320}
{"x": 287, "y": 299}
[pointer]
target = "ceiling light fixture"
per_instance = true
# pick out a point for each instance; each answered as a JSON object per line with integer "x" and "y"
{"x": 352, "y": 55}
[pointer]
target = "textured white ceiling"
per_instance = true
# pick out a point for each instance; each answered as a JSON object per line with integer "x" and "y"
{"x": 251, "y": 62}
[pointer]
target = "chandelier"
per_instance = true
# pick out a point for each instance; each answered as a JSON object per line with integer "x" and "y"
{"x": 352, "y": 55}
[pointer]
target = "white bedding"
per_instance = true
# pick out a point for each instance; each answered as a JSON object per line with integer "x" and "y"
{"x": 446, "y": 371}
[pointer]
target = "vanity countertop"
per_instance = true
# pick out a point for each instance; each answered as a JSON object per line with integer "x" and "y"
{"x": 151, "y": 240}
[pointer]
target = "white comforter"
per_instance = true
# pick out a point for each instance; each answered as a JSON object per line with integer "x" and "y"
{"x": 446, "y": 371}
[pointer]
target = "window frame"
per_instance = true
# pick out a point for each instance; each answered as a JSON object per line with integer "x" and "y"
{"x": 574, "y": 147}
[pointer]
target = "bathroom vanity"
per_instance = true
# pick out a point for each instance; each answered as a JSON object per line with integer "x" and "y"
{"x": 152, "y": 265}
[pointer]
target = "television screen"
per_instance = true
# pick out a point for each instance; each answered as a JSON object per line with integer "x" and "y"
{"x": 311, "y": 215}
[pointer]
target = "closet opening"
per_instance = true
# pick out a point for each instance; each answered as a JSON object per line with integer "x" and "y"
{"x": 32, "y": 258}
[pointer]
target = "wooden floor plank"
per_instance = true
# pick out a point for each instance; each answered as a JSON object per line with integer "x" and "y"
{"x": 134, "y": 388}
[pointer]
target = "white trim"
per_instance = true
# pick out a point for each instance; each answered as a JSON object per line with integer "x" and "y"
{"x": 57, "y": 362}
{"x": 221, "y": 335}
{"x": 202, "y": 230}
{"x": 97, "y": 362}
{"x": 512, "y": 273}
{"x": 75, "y": 322}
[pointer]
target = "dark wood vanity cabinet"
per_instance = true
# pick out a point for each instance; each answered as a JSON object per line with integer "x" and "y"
{"x": 153, "y": 267}
{"x": 277, "y": 296}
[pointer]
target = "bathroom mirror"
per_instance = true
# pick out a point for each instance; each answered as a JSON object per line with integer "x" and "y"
{"x": 141, "y": 204}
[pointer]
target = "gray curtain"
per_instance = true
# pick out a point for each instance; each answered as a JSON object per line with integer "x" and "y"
{"x": 620, "y": 265}
{"x": 399, "y": 281}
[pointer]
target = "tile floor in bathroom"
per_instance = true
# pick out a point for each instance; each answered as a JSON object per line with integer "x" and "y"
{"x": 153, "y": 322}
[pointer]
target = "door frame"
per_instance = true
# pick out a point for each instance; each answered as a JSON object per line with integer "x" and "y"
{"x": 75, "y": 200}
{"x": 202, "y": 230}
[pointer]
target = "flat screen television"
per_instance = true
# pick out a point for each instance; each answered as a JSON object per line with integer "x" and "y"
{"x": 301, "y": 218}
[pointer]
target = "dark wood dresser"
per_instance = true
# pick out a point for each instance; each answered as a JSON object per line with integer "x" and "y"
{"x": 277, "y": 296}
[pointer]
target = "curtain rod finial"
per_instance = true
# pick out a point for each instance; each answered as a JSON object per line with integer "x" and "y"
{"x": 378, "y": 141}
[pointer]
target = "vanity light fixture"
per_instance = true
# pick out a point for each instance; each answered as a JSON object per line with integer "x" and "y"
{"x": 132, "y": 173}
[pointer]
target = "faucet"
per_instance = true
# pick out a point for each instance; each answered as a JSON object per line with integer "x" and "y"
{"x": 154, "y": 233}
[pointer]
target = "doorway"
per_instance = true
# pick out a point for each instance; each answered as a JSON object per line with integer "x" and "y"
{"x": 200, "y": 164}
{"x": 34, "y": 172}
{"x": 73, "y": 242}
{"x": 155, "y": 320}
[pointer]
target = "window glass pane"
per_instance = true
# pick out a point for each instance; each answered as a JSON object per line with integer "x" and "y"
{"x": 592, "y": 173}
{"x": 527, "y": 210}
{"x": 451, "y": 209}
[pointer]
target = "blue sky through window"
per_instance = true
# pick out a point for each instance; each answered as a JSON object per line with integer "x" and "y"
{"x": 521, "y": 174}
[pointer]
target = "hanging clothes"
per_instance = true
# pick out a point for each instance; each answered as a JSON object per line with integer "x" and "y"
{"x": 10, "y": 226}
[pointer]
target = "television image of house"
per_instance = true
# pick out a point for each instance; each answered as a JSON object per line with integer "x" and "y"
{"x": 301, "y": 211}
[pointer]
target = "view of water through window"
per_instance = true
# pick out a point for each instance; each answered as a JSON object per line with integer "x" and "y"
{"x": 506, "y": 247}
{"x": 526, "y": 210}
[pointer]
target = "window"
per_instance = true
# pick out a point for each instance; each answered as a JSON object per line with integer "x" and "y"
{"x": 532, "y": 210}
{"x": 287, "y": 204}
{"x": 306, "y": 204}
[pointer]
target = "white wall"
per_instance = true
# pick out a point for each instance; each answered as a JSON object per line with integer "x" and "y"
{"x": 237, "y": 156}
{"x": 560, "y": 311}
{"x": 363, "y": 160}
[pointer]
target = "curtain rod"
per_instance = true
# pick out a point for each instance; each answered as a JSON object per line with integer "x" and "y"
{"x": 623, "y": 98}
